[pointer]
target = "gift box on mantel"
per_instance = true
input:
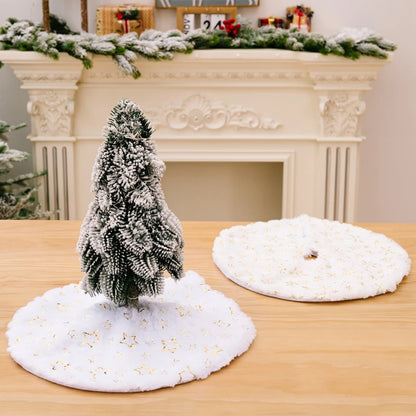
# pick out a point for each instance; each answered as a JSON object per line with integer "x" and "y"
{"x": 299, "y": 17}
{"x": 124, "y": 19}
{"x": 271, "y": 21}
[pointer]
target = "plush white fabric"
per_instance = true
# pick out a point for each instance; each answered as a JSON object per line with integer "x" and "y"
{"x": 70, "y": 338}
{"x": 276, "y": 258}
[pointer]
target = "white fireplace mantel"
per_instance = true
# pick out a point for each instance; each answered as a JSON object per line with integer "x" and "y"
{"x": 297, "y": 108}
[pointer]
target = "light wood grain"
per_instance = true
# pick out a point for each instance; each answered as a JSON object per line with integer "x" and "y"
{"x": 343, "y": 358}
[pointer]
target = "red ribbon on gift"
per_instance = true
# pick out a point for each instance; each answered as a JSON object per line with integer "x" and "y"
{"x": 300, "y": 13}
{"x": 125, "y": 22}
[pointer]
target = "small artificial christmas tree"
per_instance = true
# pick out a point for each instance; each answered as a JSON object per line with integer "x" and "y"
{"x": 129, "y": 236}
{"x": 17, "y": 195}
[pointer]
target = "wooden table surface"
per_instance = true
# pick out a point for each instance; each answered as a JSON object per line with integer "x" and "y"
{"x": 344, "y": 358}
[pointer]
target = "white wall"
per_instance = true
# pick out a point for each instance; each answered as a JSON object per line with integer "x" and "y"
{"x": 388, "y": 168}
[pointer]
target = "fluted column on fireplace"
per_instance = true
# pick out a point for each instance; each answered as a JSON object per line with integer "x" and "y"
{"x": 341, "y": 105}
{"x": 51, "y": 87}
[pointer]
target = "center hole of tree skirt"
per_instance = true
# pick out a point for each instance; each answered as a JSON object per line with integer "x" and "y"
{"x": 313, "y": 255}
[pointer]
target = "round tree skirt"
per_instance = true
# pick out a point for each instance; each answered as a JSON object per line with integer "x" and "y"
{"x": 311, "y": 260}
{"x": 88, "y": 343}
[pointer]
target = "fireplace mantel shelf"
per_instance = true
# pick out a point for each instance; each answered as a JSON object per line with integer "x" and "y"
{"x": 261, "y": 105}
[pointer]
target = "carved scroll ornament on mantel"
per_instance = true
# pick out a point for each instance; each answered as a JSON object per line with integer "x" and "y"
{"x": 52, "y": 112}
{"x": 197, "y": 112}
{"x": 340, "y": 115}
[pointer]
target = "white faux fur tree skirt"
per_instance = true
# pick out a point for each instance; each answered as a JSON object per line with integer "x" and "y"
{"x": 84, "y": 342}
{"x": 309, "y": 259}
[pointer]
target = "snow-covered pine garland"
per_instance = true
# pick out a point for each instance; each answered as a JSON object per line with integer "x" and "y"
{"x": 152, "y": 44}
{"x": 350, "y": 43}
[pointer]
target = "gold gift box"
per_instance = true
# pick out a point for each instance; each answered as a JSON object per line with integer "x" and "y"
{"x": 296, "y": 21}
{"x": 107, "y": 21}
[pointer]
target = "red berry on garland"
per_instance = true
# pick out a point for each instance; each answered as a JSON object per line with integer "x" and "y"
{"x": 231, "y": 29}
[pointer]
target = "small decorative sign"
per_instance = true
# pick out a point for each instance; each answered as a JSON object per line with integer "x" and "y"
{"x": 168, "y": 4}
{"x": 217, "y": 20}
{"x": 205, "y": 21}
{"x": 209, "y": 18}
{"x": 188, "y": 22}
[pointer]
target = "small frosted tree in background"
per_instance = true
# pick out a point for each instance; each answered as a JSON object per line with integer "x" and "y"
{"x": 129, "y": 236}
{"x": 18, "y": 194}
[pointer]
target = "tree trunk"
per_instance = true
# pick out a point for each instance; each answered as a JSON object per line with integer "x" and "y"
{"x": 84, "y": 15}
{"x": 46, "y": 20}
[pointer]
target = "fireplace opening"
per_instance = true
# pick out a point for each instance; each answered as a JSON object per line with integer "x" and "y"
{"x": 224, "y": 191}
